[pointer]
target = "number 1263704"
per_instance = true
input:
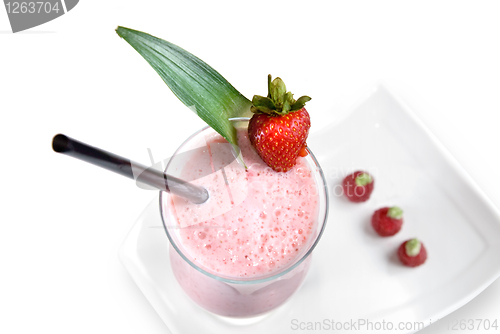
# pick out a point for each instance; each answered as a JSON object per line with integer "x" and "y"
{"x": 32, "y": 7}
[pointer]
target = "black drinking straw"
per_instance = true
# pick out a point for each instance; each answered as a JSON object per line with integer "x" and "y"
{"x": 125, "y": 167}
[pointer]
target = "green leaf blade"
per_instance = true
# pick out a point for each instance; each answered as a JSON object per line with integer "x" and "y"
{"x": 194, "y": 82}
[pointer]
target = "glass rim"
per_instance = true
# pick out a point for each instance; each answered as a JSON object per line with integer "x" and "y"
{"x": 248, "y": 280}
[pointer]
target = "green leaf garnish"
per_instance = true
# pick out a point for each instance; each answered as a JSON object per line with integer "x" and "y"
{"x": 194, "y": 82}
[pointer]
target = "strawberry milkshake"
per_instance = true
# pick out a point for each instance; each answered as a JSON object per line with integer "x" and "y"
{"x": 246, "y": 250}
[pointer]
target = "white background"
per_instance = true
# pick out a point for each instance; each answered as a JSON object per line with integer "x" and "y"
{"x": 63, "y": 220}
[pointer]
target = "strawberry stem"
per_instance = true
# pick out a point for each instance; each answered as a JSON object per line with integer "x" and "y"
{"x": 269, "y": 80}
{"x": 413, "y": 247}
{"x": 395, "y": 213}
{"x": 278, "y": 100}
{"x": 363, "y": 179}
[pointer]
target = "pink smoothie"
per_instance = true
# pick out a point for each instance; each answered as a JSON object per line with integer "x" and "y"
{"x": 266, "y": 223}
{"x": 266, "y": 231}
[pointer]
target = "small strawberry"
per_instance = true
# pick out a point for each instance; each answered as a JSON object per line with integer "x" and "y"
{"x": 279, "y": 127}
{"x": 412, "y": 253}
{"x": 387, "y": 221}
{"x": 358, "y": 186}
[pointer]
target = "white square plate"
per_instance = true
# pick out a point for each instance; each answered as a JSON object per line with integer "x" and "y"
{"x": 355, "y": 275}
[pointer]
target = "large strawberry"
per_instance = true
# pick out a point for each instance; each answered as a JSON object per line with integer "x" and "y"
{"x": 279, "y": 127}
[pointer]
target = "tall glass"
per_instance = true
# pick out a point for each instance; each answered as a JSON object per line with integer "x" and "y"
{"x": 232, "y": 296}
